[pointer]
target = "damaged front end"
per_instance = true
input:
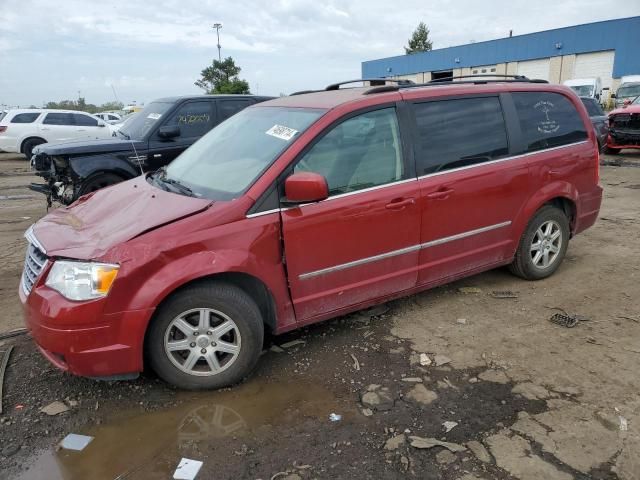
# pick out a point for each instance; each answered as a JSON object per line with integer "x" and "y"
{"x": 59, "y": 179}
{"x": 624, "y": 130}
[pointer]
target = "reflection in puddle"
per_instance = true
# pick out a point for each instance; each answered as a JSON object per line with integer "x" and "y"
{"x": 141, "y": 445}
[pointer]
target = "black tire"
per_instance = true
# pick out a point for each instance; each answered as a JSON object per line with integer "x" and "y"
{"x": 611, "y": 151}
{"x": 99, "y": 181}
{"x": 29, "y": 145}
{"x": 523, "y": 263}
{"x": 225, "y": 299}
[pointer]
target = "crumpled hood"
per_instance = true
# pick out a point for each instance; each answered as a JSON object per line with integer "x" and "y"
{"x": 89, "y": 147}
{"x": 96, "y": 222}
{"x": 628, "y": 109}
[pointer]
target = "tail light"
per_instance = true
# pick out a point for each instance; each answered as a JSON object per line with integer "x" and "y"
{"x": 3, "y": 128}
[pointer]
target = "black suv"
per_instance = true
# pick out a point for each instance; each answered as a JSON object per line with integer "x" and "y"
{"x": 146, "y": 142}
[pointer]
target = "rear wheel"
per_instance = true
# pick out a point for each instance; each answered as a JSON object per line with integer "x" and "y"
{"x": 29, "y": 145}
{"x": 543, "y": 244}
{"x": 99, "y": 181}
{"x": 207, "y": 336}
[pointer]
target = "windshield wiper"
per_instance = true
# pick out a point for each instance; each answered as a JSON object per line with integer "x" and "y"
{"x": 160, "y": 175}
{"x": 123, "y": 134}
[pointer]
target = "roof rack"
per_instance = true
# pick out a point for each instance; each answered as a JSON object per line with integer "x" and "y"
{"x": 373, "y": 81}
{"x": 520, "y": 78}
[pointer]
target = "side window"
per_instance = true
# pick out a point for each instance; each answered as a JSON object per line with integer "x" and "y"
{"x": 593, "y": 107}
{"x": 361, "y": 152}
{"x": 227, "y": 108}
{"x": 548, "y": 120}
{"x": 193, "y": 118}
{"x": 58, "y": 119}
{"x": 460, "y": 132}
{"x": 85, "y": 120}
{"x": 113, "y": 117}
{"x": 25, "y": 118}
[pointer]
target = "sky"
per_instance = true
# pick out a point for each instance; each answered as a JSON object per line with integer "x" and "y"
{"x": 137, "y": 50}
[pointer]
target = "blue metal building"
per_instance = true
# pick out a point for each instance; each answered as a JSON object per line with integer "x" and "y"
{"x": 608, "y": 49}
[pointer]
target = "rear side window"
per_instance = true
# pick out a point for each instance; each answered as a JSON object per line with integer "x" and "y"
{"x": 548, "y": 120}
{"x": 227, "y": 108}
{"x": 58, "y": 119}
{"x": 85, "y": 120}
{"x": 460, "y": 132}
{"x": 25, "y": 117}
{"x": 593, "y": 108}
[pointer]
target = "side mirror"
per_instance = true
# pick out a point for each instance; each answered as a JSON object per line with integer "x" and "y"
{"x": 613, "y": 95}
{"x": 169, "y": 131}
{"x": 304, "y": 187}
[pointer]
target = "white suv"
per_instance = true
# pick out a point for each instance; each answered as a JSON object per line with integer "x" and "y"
{"x": 21, "y": 130}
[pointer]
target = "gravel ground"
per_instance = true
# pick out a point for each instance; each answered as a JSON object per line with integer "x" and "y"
{"x": 527, "y": 399}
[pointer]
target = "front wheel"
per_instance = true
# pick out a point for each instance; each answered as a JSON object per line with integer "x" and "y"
{"x": 29, "y": 145}
{"x": 98, "y": 182}
{"x": 204, "y": 337}
{"x": 543, "y": 244}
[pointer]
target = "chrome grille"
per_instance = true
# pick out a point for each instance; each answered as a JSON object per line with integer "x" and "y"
{"x": 34, "y": 262}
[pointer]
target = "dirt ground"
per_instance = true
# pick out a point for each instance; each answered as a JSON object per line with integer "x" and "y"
{"x": 527, "y": 399}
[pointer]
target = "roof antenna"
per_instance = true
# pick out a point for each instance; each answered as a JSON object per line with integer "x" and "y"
{"x": 138, "y": 159}
{"x": 510, "y": 33}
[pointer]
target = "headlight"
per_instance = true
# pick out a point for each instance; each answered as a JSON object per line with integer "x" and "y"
{"x": 81, "y": 280}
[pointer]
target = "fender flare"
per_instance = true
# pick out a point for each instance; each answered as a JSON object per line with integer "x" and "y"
{"x": 86, "y": 166}
{"x": 548, "y": 193}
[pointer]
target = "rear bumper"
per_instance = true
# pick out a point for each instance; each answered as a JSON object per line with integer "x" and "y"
{"x": 79, "y": 338}
{"x": 589, "y": 209}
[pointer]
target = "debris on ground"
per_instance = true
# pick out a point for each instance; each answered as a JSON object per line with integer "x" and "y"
{"x": 334, "y": 417}
{"x": 187, "y": 469}
{"x": 276, "y": 349}
{"x": 449, "y": 425}
{"x": 420, "y": 394}
{"x": 377, "y": 398}
{"x": 566, "y": 320}
{"x": 356, "y": 363}
{"x": 425, "y": 361}
{"x": 461, "y": 321}
{"x": 367, "y": 412}
{"x": 73, "y": 441}
{"x": 3, "y": 366}
{"x": 445, "y": 457}
{"x": 624, "y": 424}
{"x": 479, "y": 450}
{"x": 422, "y": 443}
{"x": 394, "y": 442}
{"x": 503, "y": 294}
{"x": 377, "y": 310}
{"x": 469, "y": 290}
{"x": 55, "y": 408}
{"x": 412, "y": 379}
{"x": 13, "y": 333}
{"x": 441, "y": 360}
{"x": 292, "y": 343}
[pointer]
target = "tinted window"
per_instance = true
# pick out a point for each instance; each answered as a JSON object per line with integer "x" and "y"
{"x": 193, "y": 118}
{"x": 593, "y": 107}
{"x": 548, "y": 120}
{"x": 361, "y": 152}
{"x": 85, "y": 120}
{"x": 460, "y": 132}
{"x": 139, "y": 124}
{"x": 226, "y": 108}
{"x": 58, "y": 119}
{"x": 25, "y": 118}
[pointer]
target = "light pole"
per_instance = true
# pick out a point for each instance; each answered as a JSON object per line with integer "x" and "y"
{"x": 218, "y": 26}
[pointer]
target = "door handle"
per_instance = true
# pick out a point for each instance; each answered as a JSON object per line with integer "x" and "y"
{"x": 440, "y": 194}
{"x": 400, "y": 203}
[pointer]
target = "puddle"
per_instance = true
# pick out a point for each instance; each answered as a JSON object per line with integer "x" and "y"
{"x": 141, "y": 445}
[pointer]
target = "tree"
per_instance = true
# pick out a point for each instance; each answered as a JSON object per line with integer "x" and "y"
{"x": 419, "y": 41}
{"x": 222, "y": 77}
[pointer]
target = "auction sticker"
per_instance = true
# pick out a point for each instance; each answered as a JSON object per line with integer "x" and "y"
{"x": 281, "y": 132}
{"x": 154, "y": 116}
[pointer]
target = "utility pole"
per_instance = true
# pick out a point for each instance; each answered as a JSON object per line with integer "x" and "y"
{"x": 218, "y": 26}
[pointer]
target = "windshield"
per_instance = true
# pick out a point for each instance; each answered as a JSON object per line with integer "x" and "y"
{"x": 583, "y": 90}
{"x": 228, "y": 159}
{"x": 628, "y": 91}
{"x": 144, "y": 121}
{"x": 636, "y": 101}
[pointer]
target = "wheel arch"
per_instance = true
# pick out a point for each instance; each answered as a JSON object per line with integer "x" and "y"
{"x": 85, "y": 167}
{"x": 31, "y": 137}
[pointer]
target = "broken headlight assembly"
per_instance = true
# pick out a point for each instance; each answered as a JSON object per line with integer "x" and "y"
{"x": 81, "y": 280}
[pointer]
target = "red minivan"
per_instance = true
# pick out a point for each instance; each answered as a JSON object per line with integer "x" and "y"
{"x": 304, "y": 208}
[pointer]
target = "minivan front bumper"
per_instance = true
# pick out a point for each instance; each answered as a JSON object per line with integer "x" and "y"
{"x": 79, "y": 338}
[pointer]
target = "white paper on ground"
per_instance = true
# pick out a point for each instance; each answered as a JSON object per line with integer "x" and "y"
{"x": 187, "y": 469}
{"x": 74, "y": 441}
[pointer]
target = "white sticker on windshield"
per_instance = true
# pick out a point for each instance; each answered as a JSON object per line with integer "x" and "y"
{"x": 281, "y": 132}
{"x": 154, "y": 116}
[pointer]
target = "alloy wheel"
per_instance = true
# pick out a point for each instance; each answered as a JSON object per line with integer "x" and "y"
{"x": 546, "y": 244}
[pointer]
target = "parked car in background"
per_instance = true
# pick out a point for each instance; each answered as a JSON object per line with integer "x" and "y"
{"x": 629, "y": 89}
{"x": 624, "y": 127}
{"x": 599, "y": 120}
{"x": 305, "y": 208}
{"x": 24, "y": 129}
{"x": 124, "y": 119}
{"x": 109, "y": 117}
{"x": 150, "y": 140}
{"x": 585, "y": 87}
